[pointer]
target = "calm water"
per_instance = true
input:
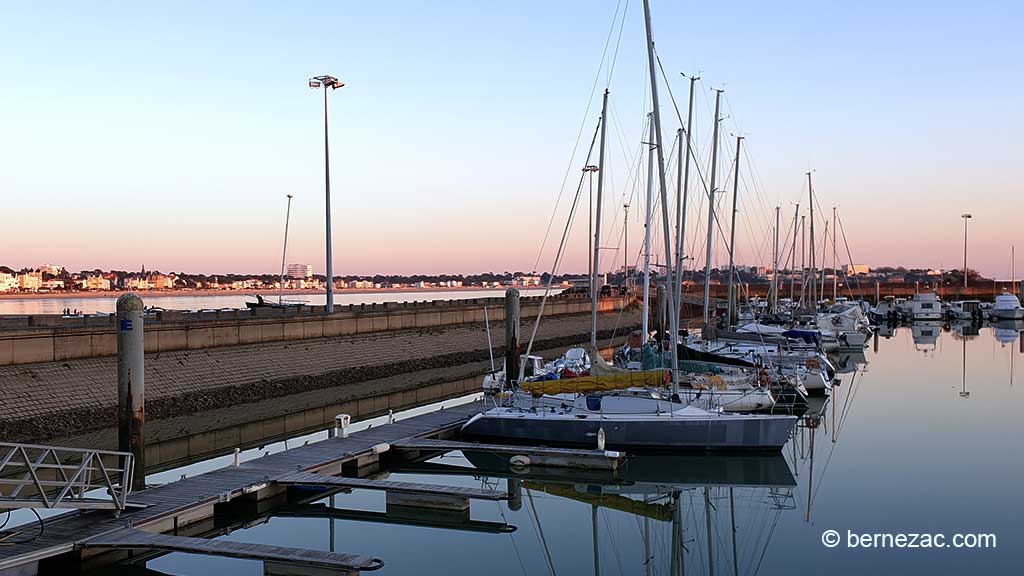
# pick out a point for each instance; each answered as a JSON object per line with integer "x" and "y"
{"x": 237, "y": 300}
{"x": 922, "y": 436}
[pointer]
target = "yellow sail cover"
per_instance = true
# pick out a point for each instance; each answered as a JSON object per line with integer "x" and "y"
{"x": 605, "y": 383}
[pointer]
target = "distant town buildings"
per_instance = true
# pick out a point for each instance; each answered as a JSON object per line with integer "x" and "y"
{"x": 300, "y": 277}
{"x": 300, "y": 271}
{"x": 8, "y": 282}
{"x": 94, "y": 282}
{"x": 30, "y": 282}
{"x": 523, "y": 280}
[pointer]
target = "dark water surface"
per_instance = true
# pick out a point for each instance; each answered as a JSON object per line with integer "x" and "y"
{"x": 922, "y": 437}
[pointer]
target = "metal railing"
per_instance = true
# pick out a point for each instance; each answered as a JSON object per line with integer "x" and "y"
{"x": 33, "y": 476}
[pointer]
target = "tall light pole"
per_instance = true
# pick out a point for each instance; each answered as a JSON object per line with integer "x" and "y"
{"x": 333, "y": 83}
{"x": 966, "y": 217}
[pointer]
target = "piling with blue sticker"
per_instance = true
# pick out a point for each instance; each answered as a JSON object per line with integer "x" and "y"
{"x": 131, "y": 384}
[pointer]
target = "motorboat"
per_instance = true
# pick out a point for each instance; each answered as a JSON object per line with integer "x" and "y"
{"x": 888, "y": 310}
{"x": 925, "y": 306}
{"x": 964, "y": 309}
{"x": 906, "y": 307}
{"x": 1006, "y": 307}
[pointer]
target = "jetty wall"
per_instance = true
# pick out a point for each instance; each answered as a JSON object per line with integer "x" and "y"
{"x": 53, "y": 338}
{"x": 405, "y": 363}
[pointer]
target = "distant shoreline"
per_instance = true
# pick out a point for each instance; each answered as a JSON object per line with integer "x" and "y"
{"x": 105, "y": 294}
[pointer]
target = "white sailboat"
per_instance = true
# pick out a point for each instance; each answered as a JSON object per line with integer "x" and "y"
{"x": 587, "y": 412}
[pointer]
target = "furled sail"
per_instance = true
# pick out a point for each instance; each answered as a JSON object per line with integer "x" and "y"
{"x": 596, "y": 383}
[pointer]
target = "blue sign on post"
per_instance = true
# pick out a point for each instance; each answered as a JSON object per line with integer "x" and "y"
{"x": 126, "y": 325}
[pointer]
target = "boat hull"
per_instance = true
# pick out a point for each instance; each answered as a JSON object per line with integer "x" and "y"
{"x": 1007, "y": 314}
{"x": 664, "y": 433}
{"x": 853, "y": 339}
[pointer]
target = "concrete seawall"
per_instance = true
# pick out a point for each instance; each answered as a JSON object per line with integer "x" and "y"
{"x": 71, "y": 395}
{"x": 52, "y": 338}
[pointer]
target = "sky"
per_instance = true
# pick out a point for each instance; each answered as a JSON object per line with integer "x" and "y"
{"x": 169, "y": 134}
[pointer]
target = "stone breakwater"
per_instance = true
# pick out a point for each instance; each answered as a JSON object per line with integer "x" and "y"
{"x": 60, "y": 398}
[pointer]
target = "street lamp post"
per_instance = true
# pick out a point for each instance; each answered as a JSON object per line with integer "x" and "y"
{"x": 333, "y": 83}
{"x": 966, "y": 217}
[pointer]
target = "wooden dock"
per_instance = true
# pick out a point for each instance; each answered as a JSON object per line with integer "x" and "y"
{"x": 177, "y": 504}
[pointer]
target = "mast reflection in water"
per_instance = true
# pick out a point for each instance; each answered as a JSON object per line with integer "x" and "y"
{"x": 898, "y": 447}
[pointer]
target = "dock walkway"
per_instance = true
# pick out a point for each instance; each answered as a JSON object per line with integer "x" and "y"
{"x": 191, "y": 499}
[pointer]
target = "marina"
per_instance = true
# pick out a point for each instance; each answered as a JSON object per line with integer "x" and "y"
{"x": 780, "y": 358}
{"x": 821, "y": 479}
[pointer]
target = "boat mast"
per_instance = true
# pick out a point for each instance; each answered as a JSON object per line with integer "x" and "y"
{"x": 590, "y": 169}
{"x": 711, "y": 211}
{"x": 824, "y": 261}
{"x": 814, "y": 274}
{"x": 597, "y": 227}
{"x": 284, "y": 251}
{"x": 732, "y": 517}
{"x": 803, "y": 261}
{"x": 835, "y": 259}
{"x": 685, "y": 186}
{"x": 732, "y": 235}
{"x": 673, "y": 313}
{"x": 707, "y": 521}
{"x": 645, "y": 320}
{"x": 775, "y": 266}
{"x": 625, "y": 245}
{"x": 676, "y": 558}
{"x": 792, "y": 254}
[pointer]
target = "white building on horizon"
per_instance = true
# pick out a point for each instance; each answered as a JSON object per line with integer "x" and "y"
{"x": 298, "y": 271}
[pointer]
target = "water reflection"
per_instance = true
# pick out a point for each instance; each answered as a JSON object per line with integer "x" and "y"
{"x": 896, "y": 448}
{"x": 1007, "y": 331}
{"x": 926, "y": 335}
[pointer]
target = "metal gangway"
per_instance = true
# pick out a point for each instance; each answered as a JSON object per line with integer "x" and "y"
{"x": 34, "y": 476}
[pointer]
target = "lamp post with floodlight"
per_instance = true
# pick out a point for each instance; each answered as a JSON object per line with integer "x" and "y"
{"x": 333, "y": 83}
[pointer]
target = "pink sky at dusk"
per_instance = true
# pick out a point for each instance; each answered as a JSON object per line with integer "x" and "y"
{"x": 445, "y": 162}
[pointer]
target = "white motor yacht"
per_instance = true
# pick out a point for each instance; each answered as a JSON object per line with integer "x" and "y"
{"x": 1007, "y": 307}
{"x": 925, "y": 306}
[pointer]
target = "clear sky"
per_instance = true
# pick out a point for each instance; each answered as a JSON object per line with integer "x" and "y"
{"x": 168, "y": 134}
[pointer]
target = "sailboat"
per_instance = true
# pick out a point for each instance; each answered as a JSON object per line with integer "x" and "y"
{"x": 592, "y": 414}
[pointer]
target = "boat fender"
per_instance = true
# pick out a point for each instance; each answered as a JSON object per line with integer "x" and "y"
{"x": 519, "y": 460}
{"x": 600, "y": 439}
